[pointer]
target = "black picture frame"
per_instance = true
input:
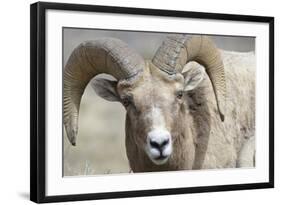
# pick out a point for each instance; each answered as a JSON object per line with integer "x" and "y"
{"x": 38, "y": 100}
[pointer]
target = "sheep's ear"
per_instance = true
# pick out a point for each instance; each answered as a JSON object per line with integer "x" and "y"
{"x": 105, "y": 89}
{"x": 193, "y": 76}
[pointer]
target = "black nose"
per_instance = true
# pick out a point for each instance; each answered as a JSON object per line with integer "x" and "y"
{"x": 159, "y": 145}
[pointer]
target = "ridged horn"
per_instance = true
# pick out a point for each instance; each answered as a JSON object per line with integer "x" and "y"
{"x": 108, "y": 55}
{"x": 178, "y": 50}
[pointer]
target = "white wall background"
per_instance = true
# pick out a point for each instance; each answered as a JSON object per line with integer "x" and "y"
{"x": 14, "y": 102}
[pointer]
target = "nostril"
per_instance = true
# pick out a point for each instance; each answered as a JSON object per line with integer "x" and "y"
{"x": 159, "y": 139}
{"x": 158, "y": 145}
{"x": 165, "y": 142}
{"x": 154, "y": 144}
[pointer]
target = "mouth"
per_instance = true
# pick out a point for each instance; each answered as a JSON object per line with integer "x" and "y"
{"x": 160, "y": 159}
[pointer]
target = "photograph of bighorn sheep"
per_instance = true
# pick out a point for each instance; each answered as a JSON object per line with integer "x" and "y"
{"x": 150, "y": 102}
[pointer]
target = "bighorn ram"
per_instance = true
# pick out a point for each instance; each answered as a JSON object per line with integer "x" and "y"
{"x": 179, "y": 115}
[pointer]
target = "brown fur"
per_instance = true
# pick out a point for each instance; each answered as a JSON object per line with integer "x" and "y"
{"x": 200, "y": 139}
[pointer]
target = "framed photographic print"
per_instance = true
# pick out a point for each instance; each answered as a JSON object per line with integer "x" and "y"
{"x": 129, "y": 102}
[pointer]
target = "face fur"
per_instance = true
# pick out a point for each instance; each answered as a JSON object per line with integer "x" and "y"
{"x": 153, "y": 103}
{"x": 156, "y": 106}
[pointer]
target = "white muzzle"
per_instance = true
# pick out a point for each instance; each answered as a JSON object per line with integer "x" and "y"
{"x": 159, "y": 146}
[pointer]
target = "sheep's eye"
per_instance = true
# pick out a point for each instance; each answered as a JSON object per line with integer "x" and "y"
{"x": 179, "y": 94}
{"x": 126, "y": 101}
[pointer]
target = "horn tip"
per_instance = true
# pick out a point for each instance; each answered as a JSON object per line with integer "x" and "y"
{"x": 72, "y": 140}
{"x": 71, "y": 135}
{"x": 222, "y": 117}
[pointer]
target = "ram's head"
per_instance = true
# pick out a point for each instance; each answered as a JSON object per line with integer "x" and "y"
{"x": 151, "y": 91}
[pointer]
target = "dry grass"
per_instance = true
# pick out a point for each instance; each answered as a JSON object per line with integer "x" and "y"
{"x": 100, "y": 143}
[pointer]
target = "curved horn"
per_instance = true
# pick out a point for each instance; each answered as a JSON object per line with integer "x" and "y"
{"x": 178, "y": 50}
{"x": 108, "y": 55}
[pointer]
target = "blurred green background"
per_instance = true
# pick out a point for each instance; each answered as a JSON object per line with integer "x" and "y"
{"x": 100, "y": 145}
